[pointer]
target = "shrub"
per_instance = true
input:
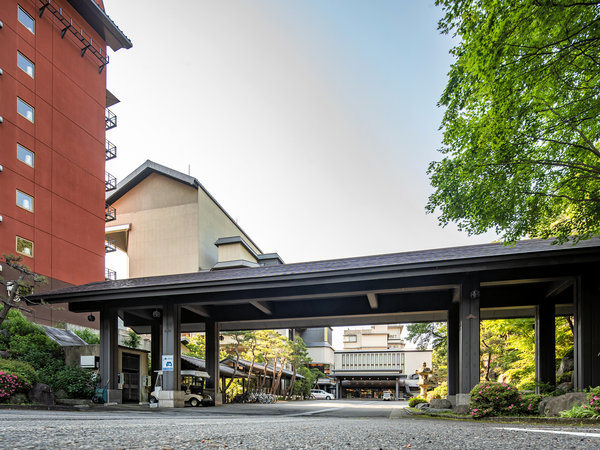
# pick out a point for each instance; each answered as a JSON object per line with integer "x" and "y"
{"x": 491, "y": 398}
{"x": 565, "y": 377}
{"x": 577, "y": 412}
{"x": 10, "y": 384}
{"x": 440, "y": 391}
{"x": 530, "y": 404}
{"x": 414, "y": 401}
{"x": 75, "y": 381}
{"x": 24, "y": 370}
{"x": 88, "y": 336}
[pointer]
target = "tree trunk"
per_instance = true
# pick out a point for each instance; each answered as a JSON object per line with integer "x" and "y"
{"x": 4, "y": 311}
{"x": 290, "y": 390}
{"x": 278, "y": 383}
{"x": 273, "y": 376}
{"x": 250, "y": 371}
{"x": 237, "y": 360}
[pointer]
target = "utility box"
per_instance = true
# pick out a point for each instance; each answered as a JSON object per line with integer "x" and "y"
{"x": 89, "y": 362}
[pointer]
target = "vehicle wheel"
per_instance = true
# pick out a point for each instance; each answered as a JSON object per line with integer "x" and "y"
{"x": 328, "y": 398}
{"x": 194, "y": 402}
{"x": 153, "y": 399}
{"x": 313, "y": 397}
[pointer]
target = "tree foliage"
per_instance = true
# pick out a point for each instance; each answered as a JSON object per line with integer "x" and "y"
{"x": 18, "y": 288}
{"x": 521, "y": 130}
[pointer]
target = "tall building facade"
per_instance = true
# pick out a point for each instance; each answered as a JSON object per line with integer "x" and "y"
{"x": 378, "y": 337}
{"x": 53, "y": 147}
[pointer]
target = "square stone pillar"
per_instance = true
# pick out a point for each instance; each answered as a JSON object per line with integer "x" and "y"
{"x": 587, "y": 331}
{"x": 212, "y": 360}
{"x": 545, "y": 344}
{"x": 109, "y": 354}
{"x": 171, "y": 395}
{"x": 453, "y": 343}
{"x": 468, "y": 338}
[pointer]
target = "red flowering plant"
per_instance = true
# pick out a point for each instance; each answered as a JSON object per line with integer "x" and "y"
{"x": 11, "y": 384}
{"x": 491, "y": 398}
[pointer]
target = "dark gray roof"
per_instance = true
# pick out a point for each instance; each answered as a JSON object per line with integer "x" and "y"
{"x": 150, "y": 167}
{"x": 435, "y": 259}
{"x": 64, "y": 338}
{"x": 101, "y": 23}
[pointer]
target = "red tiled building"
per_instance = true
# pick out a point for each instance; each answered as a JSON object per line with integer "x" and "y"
{"x": 53, "y": 146}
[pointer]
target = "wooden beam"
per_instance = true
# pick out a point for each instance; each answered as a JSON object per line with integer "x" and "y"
{"x": 197, "y": 309}
{"x": 262, "y": 306}
{"x": 559, "y": 286}
{"x": 373, "y": 302}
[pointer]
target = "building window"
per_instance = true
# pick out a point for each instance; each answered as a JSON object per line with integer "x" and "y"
{"x": 24, "y": 246}
{"x": 24, "y": 155}
{"x": 25, "y": 65}
{"x": 25, "y": 109}
{"x": 27, "y": 21}
{"x": 25, "y": 201}
{"x": 350, "y": 338}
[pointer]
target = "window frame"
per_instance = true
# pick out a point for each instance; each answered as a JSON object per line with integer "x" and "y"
{"x": 20, "y": 146}
{"x": 22, "y": 56}
{"x": 26, "y": 194}
{"x": 19, "y": 99}
{"x": 20, "y": 9}
{"x": 26, "y": 240}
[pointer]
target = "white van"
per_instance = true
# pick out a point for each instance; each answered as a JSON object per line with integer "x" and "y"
{"x": 192, "y": 383}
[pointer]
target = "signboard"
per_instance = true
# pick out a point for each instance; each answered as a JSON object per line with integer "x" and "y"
{"x": 167, "y": 363}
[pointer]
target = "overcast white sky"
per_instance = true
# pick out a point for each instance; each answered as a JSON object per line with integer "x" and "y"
{"x": 311, "y": 121}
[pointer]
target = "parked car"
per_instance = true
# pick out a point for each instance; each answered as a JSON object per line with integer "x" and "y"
{"x": 387, "y": 395}
{"x": 320, "y": 394}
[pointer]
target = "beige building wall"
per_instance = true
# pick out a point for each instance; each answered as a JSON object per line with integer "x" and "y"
{"x": 321, "y": 355}
{"x": 377, "y": 337}
{"x": 213, "y": 224}
{"x": 163, "y": 214}
{"x": 414, "y": 360}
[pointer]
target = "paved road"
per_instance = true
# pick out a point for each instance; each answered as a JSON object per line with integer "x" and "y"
{"x": 338, "y": 424}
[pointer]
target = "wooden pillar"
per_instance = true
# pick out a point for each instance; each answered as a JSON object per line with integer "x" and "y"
{"x": 109, "y": 353}
{"x": 155, "y": 350}
{"x": 468, "y": 338}
{"x": 212, "y": 360}
{"x": 171, "y": 395}
{"x": 545, "y": 344}
{"x": 453, "y": 349}
{"x": 587, "y": 331}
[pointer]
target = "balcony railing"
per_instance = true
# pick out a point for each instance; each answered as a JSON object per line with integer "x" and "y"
{"x": 110, "y": 275}
{"x": 110, "y": 246}
{"x": 110, "y": 118}
{"x": 110, "y": 182}
{"x": 110, "y": 213}
{"x": 111, "y": 150}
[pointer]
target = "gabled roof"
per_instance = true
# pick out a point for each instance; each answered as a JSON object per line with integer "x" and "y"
{"x": 64, "y": 338}
{"x": 93, "y": 14}
{"x": 435, "y": 261}
{"x": 150, "y": 167}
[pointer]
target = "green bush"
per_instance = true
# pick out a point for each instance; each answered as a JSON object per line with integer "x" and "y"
{"x": 565, "y": 377}
{"x": 578, "y": 412}
{"x": 75, "y": 381}
{"x": 88, "y": 336}
{"x": 414, "y": 401}
{"x": 24, "y": 370}
{"x": 491, "y": 398}
{"x": 530, "y": 404}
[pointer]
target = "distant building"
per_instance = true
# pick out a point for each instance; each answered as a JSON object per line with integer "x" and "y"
{"x": 378, "y": 337}
{"x": 320, "y": 347}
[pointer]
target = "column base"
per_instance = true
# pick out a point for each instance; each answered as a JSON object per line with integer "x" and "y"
{"x": 452, "y": 399}
{"x": 463, "y": 399}
{"x": 171, "y": 399}
{"x": 114, "y": 396}
{"x": 218, "y": 397}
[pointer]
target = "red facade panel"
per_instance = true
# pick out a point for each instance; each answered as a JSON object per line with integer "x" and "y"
{"x": 67, "y": 139}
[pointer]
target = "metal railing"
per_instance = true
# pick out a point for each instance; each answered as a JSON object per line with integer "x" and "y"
{"x": 110, "y": 182}
{"x": 110, "y": 246}
{"x": 111, "y": 150}
{"x": 110, "y": 275}
{"x": 110, "y": 213}
{"x": 110, "y": 118}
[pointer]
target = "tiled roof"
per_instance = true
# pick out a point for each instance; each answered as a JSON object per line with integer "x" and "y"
{"x": 407, "y": 260}
{"x": 64, "y": 338}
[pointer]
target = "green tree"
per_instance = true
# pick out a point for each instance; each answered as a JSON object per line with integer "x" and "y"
{"x": 88, "y": 336}
{"x": 22, "y": 285}
{"x": 132, "y": 340}
{"x": 521, "y": 130}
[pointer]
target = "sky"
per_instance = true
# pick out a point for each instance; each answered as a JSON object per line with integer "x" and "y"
{"x": 312, "y": 122}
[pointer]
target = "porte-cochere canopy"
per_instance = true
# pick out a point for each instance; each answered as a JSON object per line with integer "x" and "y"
{"x": 461, "y": 285}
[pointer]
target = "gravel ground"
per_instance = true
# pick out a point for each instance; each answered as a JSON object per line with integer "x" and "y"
{"x": 52, "y": 429}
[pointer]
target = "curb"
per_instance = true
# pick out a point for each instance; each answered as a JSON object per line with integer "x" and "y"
{"x": 539, "y": 420}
